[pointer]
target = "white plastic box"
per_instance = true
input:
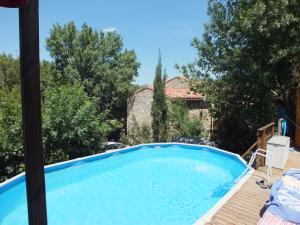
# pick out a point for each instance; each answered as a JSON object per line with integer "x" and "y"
{"x": 279, "y": 147}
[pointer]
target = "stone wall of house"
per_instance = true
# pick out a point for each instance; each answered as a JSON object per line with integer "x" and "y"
{"x": 139, "y": 110}
{"x": 177, "y": 83}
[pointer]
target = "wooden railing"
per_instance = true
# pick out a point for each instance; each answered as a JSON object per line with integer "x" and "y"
{"x": 250, "y": 149}
{"x": 263, "y": 135}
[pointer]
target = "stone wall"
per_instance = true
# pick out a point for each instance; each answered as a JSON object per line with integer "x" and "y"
{"x": 139, "y": 107}
{"x": 139, "y": 110}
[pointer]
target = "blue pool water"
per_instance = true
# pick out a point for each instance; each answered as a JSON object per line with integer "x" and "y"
{"x": 155, "y": 185}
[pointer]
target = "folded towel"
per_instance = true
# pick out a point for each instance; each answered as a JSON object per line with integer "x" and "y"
{"x": 272, "y": 219}
{"x": 284, "y": 200}
{"x": 293, "y": 173}
{"x": 291, "y": 183}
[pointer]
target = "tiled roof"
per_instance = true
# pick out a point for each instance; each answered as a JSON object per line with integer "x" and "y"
{"x": 182, "y": 93}
{"x": 177, "y": 93}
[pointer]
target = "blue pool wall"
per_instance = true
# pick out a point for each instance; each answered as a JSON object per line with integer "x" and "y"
{"x": 62, "y": 165}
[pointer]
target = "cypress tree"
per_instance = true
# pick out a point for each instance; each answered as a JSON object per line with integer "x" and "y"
{"x": 159, "y": 109}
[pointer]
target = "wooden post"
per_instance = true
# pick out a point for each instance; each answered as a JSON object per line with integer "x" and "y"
{"x": 31, "y": 113}
{"x": 263, "y": 134}
{"x": 297, "y": 131}
{"x": 259, "y": 145}
{"x": 263, "y": 146}
{"x": 272, "y": 131}
{"x": 263, "y": 139}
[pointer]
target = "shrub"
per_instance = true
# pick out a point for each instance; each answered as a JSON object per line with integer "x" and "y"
{"x": 182, "y": 124}
{"x": 71, "y": 125}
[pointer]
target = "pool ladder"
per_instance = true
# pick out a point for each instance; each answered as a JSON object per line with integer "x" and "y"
{"x": 268, "y": 155}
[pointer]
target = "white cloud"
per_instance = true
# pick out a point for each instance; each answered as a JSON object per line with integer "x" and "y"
{"x": 109, "y": 29}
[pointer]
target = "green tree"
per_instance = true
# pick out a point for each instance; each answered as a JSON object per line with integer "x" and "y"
{"x": 11, "y": 148}
{"x": 71, "y": 125}
{"x": 248, "y": 56}
{"x": 159, "y": 109}
{"x": 84, "y": 95}
{"x": 98, "y": 61}
{"x": 9, "y": 71}
{"x": 47, "y": 71}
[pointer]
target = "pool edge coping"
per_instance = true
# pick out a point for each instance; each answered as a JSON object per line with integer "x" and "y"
{"x": 206, "y": 218}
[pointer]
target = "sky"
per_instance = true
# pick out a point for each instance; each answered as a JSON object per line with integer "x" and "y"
{"x": 145, "y": 25}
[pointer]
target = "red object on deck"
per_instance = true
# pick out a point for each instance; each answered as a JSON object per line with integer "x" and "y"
{"x": 13, "y": 3}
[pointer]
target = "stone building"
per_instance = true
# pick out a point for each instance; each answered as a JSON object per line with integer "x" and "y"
{"x": 139, "y": 105}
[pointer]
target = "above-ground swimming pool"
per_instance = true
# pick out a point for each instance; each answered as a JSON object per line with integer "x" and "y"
{"x": 157, "y": 184}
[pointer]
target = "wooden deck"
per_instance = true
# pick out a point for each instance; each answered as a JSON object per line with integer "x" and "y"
{"x": 245, "y": 205}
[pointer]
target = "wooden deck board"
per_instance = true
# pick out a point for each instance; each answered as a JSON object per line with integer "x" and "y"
{"x": 245, "y": 205}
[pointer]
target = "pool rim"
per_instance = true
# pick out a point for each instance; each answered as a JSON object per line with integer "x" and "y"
{"x": 10, "y": 183}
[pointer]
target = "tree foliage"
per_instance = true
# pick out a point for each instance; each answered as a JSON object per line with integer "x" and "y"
{"x": 71, "y": 127}
{"x": 181, "y": 123}
{"x": 140, "y": 135}
{"x": 98, "y": 61}
{"x": 71, "y": 124}
{"x": 248, "y": 56}
{"x": 11, "y": 148}
{"x": 84, "y": 96}
{"x": 159, "y": 109}
{"x": 9, "y": 71}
